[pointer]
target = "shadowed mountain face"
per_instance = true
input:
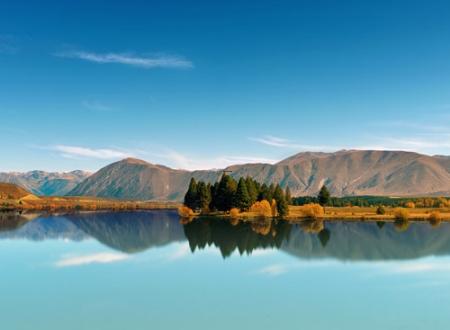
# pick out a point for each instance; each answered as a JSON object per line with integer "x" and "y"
{"x": 392, "y": 173}
{"x": 133, "y": 232}
{"x": 45, "y": 183}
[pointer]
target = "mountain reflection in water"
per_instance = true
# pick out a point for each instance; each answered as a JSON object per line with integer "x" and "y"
{"x": 133, "y": 232}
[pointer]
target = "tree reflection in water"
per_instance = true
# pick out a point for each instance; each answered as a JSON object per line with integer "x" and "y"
{"x": 245, "y": 236}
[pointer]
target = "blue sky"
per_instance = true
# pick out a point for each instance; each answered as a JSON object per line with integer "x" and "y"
{"x": 207, "y": 84}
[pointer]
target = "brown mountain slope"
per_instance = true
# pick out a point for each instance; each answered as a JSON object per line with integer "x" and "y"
{"x": 136, "y": 179}
{"x": 347, "y": 172}
{"x": 357, "y": 172}
{"x": 12, "y": 191}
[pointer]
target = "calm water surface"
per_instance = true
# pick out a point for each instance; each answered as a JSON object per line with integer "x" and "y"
{"x": 146, "y": 270}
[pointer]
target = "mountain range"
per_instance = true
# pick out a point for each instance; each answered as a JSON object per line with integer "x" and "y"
{"x": 45, "y": 183}
{"x": 346, "y": 173}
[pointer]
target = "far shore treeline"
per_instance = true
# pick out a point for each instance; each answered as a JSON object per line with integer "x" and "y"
{"x": 369, "y": 201}
{"x": 228, "y": 194}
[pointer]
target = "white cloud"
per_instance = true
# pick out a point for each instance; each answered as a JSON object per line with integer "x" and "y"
{"x": 181, "y": 161}
{"x": 76, "y": 151}
{"x": 429, "y": 265}
{"x": 419, "y": 144}
{"x": 423, "y": 137}
{"x": 181, "y": 250}
{"x": 146, "y": 62}
{"x": 273, "y": 270}
{"x": 99, "y": 258}
{"x": 432, "y": 144}
{"x": 273, "y": 141}
{"x": 279, "y": 142}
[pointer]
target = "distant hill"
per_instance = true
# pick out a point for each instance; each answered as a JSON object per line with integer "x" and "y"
{"x": 12, "y": 191}
{"x": 346, "y": 172}
{"x": 45, "y": 183}
{"x": 136, "y": 179}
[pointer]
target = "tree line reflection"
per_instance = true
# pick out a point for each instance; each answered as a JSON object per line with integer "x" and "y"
{"x": 245, "y": 237}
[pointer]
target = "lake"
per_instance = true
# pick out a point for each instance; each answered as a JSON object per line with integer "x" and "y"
{"x": 146, "y": 270}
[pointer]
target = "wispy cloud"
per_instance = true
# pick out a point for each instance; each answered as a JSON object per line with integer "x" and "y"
{"x": 98, "y": 258}
{"x": 146, "y": 62}
{"x": 420, "y": 144}
{"x": 76, "y": 151}
{"x": 430, "y": 265}
{"x": 420, "y": 136}
{"x": 182, "y": 161}
{"x": 96, "y": 106}
{"x": 273, "y": 270}
{"x": 436, "y": 141}
{"x": 273, "y": 141}
{"x": 279, "y": 142}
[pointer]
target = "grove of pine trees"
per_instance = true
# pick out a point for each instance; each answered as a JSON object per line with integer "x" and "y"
{"x": 227, "y": 194}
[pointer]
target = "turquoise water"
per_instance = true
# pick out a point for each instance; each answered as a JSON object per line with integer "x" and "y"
{"x": 146, "y": 270}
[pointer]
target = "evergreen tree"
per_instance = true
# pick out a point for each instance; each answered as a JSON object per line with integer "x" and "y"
{"x": 241, "y": 198}
{"x": 271, "y": 190}
{"x": 251, "y": 189}
{"x": 324, "y": 196}
{"x": 213, "y": 204}
{"x": 190, "y": 199}
{"x": 288, "y": 196}
{"x": 224, "y": 197}
{"x": 265, "y": 193}
{"x": 282, "y": 205}
{"x": 203, "y": 196}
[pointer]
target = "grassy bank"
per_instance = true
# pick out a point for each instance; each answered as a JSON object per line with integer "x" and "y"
{"x": 349, "y": 213}
{"x": 73, "y": 204}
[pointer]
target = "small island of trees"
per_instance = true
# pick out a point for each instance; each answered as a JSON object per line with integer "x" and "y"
{"x": 231, "y": 196}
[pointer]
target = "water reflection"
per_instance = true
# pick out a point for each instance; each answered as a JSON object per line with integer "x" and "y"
{"x": 243, "y": 237}
{"x": 139, "y": 231}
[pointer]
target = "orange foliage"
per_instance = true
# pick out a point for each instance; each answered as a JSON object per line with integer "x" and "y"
{"x": 410, "y": 205}
{"x": 234, "y": 212}
{"x": 261, "y": 209}
{"x": 312, "y": 226}
{"x": 435, "y": 218}
{"x": 312, "y": 211}
{"x": 185, "y": 212}
{"x": 262, "y": 228}
{"x": 234, "y": 221}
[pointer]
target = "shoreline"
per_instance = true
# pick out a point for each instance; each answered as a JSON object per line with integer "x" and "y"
{"x": 354, "y": 213}
{"x": 74, "y": 205}
{"x": 56, "y": 204}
